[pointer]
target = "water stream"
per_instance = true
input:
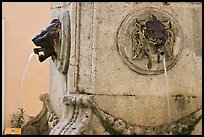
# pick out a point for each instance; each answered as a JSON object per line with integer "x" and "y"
{"x": 22, "y": 80}
{"x": 167, "y": 89}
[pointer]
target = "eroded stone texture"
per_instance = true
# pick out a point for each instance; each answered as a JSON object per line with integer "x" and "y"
{"x": 96, "y": 66}
{"x": 100, "y": 94}
{"x": 84, "y": 115}
{"x": 56, "y": 5}
{"x": 44, "y": 121}
{"x": 150, "y": 110}
{"x": 198, "y": 129}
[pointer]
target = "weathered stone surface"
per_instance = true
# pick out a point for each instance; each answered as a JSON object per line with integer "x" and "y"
{"x": 112, "y": 74}
{"x": 82, "y": 115}
{"x": 147, "y": 110}
{"x": 96, "y": 68}
{"x": 198, "y": 129}
{"x": 97, "y": 35}
{"x": 57, "y": 83}
{"x": 44, "y": 121}
{"x": 56, "y": 5}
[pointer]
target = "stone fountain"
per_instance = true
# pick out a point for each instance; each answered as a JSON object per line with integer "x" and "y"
{"x": 107, "y": 74}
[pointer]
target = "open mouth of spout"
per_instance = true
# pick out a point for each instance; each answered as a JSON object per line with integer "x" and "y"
{"x": 47, "y": 40}
{"x": 40, "y": 52}
{"x": 161, "y": 53}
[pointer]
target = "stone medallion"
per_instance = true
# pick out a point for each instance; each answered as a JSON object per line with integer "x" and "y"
{"x": 146, "y": 37}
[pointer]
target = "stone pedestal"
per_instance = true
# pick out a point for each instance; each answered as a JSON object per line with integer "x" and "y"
{"x": 102, "y": 90}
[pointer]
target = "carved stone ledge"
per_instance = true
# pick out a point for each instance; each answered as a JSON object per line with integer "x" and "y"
{"x": 77, "y": 115}
{"x": 114, "y": 125}
{"x": 79, "y": 109}
{"x": 44, "y": 121}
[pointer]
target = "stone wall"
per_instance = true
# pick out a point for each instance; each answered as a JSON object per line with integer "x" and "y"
{"x": 97, "y": 69}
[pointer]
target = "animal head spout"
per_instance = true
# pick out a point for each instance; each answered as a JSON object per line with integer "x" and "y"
{"x": 48, "y": 40}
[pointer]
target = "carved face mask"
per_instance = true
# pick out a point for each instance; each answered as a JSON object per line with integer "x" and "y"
{"x": 155, "y": 29}
{"x": 47, "y": 40}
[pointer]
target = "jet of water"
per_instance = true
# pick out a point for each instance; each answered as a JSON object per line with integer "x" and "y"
{"x": 167, "y": 89}
{"x": 22, "y": 80}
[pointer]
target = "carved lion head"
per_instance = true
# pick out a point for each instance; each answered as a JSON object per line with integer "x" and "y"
{"x": 48, "y": 40}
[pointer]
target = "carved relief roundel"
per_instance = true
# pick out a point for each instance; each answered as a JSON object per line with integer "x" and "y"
{"x": 146, "y": 37}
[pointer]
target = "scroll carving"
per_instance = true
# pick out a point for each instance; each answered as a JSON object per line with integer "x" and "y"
{"x": 44, "y": 121}
{"x": 76, "y": 118}
{"x": 80, "y": 108}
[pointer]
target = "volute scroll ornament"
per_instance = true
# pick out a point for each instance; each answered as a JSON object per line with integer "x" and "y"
{"x": 80, "y": 109}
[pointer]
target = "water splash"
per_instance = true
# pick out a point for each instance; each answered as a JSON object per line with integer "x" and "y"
{"x": 22, "y": 80}
{"x": 167, "y": 89}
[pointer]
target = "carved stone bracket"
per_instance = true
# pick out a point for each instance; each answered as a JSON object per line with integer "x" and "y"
{"x": 44, "y": 121}
{"x": 79, "y": 109}
{"x": 52, "y": 118}
{"x": 77, "y": 115}
{"x": 183, "y": 126}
